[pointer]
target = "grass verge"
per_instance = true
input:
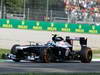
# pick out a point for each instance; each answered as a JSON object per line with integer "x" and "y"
{"x": 3, "y": 51}
{"x": 96, "y": 51}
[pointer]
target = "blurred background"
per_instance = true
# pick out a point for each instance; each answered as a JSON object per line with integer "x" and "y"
{"x": 70, "y": 11}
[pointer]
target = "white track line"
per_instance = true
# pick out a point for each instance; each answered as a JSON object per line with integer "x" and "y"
{"x": 95, "y": 59}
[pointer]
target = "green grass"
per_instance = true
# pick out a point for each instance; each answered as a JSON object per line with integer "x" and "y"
{"x": 52, "y": 74}
{"x": 96, "y": 51}
{"x": 4, "y": 51}
{"x": 96, "y": 57}
{"x": 96, "y": 54}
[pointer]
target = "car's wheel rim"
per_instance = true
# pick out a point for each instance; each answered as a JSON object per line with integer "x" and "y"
{"x": 46, "y": 56}
{"x": 89, "y": 56}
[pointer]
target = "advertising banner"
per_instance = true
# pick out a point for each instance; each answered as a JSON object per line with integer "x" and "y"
{"x": 49, "y": 26}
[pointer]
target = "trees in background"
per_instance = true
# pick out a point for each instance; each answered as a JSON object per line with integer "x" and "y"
{"x": 11, "y": 5}
{"x": 29, "y": 7}
{"x": 14, "y": 5}
{"x": 42, "y": 4}
{"x": 18, "y": 5}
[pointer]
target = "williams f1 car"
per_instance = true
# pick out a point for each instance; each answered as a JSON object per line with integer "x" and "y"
{"x": 57, "y": 50}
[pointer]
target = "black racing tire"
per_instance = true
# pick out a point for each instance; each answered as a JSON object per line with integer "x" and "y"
{"x": 47, "y": 55}
{"x": 86, "y": 55}
{"x": 13, "y": 49}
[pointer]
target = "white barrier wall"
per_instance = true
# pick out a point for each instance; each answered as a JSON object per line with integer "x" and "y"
{"x": 9, "y": 37}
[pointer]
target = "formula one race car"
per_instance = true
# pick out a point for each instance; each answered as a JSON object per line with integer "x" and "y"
{"x": 57, "y": 50}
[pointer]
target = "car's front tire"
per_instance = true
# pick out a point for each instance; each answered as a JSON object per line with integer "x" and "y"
{"x": 47, "y": 55}
{"x": 13, "y": 49}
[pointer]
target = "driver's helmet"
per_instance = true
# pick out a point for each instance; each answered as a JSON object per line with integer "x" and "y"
{"x": 56, "y": 38}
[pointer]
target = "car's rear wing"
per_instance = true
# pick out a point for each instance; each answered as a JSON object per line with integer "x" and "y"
{"x": 82, "y": 40}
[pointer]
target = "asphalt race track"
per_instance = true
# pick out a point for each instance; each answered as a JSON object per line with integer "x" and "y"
{"x": 10, "y": 67}
{"x": 9, "y": 37}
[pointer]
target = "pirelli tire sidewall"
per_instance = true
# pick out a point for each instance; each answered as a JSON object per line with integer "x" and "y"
{"x": 86, "y": 55}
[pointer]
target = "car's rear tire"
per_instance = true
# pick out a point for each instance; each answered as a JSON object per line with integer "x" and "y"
{"x": 86, "y": 55}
